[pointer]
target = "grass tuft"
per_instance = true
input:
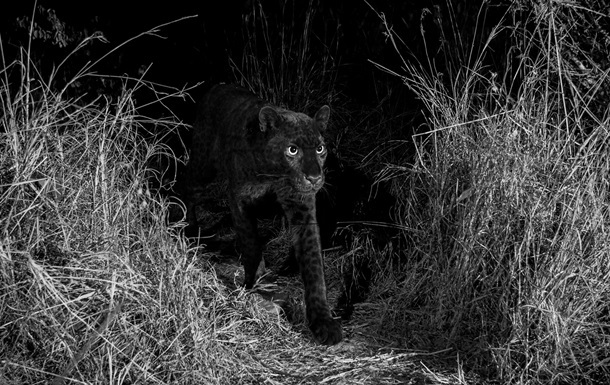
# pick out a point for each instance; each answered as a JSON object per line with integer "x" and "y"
{"x": 95, "y": 288}
{"x": 505, "y": 211}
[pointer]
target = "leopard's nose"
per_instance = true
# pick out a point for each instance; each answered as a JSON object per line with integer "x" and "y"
{"x": 314, "y": 179}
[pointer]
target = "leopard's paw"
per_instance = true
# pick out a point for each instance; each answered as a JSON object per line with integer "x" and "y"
{"x": 326, "y": 330}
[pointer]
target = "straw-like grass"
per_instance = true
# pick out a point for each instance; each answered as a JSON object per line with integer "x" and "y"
{"x": 505, "y": 210}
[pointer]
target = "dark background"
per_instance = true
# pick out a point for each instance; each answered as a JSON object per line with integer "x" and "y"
{"x": 198, "y": 49}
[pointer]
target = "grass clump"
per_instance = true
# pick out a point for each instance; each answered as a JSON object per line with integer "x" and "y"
{"x": 504, "y": 209}
{"x": 94, "y": 286}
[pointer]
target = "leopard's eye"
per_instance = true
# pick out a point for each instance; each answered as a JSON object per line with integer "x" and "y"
{"x": 321, "y": 148}
{"x": 292, "y": 150}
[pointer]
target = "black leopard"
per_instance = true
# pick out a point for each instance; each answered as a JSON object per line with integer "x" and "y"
{"x": 265, "y": 151}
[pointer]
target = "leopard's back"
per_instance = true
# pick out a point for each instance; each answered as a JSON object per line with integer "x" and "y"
{"x": 224, "y": 137}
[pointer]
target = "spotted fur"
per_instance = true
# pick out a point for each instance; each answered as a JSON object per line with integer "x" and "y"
{"x": 264, "y": 150}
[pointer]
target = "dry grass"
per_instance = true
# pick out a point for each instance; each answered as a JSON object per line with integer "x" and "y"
{"x": 505, "y": 212}
{"x": 280, "y": 58}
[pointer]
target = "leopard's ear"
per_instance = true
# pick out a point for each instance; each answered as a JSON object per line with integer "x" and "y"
{"x": 268, "y": 118}
{"x": 321, "y": 117}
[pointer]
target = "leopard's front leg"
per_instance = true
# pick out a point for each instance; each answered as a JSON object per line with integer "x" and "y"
{"x": 308, "y": 251}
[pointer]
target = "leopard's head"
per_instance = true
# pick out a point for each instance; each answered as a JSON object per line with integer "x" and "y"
{"x": 295, "y": 146}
